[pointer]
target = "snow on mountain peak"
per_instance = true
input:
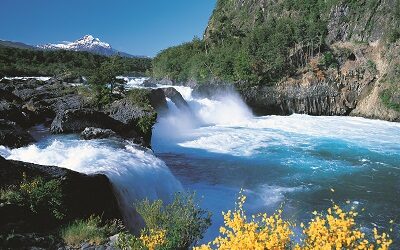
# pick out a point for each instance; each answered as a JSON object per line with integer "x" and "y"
{"x": 87, "y": 43}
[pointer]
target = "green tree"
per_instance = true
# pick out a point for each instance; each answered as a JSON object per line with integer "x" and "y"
{"x": 104, "y": 80}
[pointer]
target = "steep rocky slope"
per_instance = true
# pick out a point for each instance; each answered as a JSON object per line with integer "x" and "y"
{"x": 365, "y": 57}
{"x": 335, "y": 57}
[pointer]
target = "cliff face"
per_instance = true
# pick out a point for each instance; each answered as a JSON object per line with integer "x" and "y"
{"x": 355, "y": 70}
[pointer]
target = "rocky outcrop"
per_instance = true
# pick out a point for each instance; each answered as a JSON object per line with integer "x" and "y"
{"x": 353, "y": 86}
{"x": 157, "y": 100}
{"x": 43, "y": 99}
{"x": 11, "y": 108}
{"x": 13, "y": 136}
{"x": 176, "y": 98}
{"x": 83, "y": 195}
{"x": 97, "y": 133}
{"x": 29, "y": 101}
{"x": 138, "y": 119}
{"x": 76, "y": 120}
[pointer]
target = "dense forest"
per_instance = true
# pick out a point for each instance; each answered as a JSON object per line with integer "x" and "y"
{"x": 29, "y": 62}
{"x": 260, "y": 42}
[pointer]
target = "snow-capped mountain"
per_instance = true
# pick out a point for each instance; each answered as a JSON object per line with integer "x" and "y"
{"x": 87, "y": 43}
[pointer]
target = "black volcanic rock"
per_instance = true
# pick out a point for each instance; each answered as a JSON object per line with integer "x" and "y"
{"x": 41, "y": 99}
{"x": 176, "y": 98}
{"x": 76, "y": 120}
{"x": 83, "y": 196}
{"x": 97, "y": 133}
{"x": 13, "y": 136}
{"x": 130, "y": 113}
{"x": 157, "y": 100}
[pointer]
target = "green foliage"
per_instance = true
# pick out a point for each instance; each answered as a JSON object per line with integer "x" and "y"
{"x": 259, "y": 44}
{"x": 254, "y": 54}
{"x": 103, "y": 81}
{"x": 394, "y": 31}
{"x": 390, "y": 97}
{"x": 26, "y": 62}
{"x": 387, "y": 98}
{"x": 127, "y": 241}
{"x": 371, "y": 66}
{"x": 328, "y": 60}
{"x": 40, "y": 196}
{"x": 183, "y": 221}
{"x": 146, "y": 122}
{"x": 140, "y": 97}
{"x": 90, "y": 231}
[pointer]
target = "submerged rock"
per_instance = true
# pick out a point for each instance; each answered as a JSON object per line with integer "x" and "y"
{"x": 97, "y": 133}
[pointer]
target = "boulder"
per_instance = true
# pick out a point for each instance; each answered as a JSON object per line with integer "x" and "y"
{"x": 157, "y": 100}
{"x": 176, "y": 98}
{"x": 137, "y": 119}
{"x": 13, "y": 136}
{"x": 126, "y": 111}
{"x": 97, "y": 133}
{"x": 82, "y": 196}
{"x": 76, "y": 120}
{"x": 11, "y": 109}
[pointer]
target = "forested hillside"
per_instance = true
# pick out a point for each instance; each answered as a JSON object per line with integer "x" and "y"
{"x": 27, "y": 62}
{"x": 269, "y": 43}
{"x": 260, "y": 41}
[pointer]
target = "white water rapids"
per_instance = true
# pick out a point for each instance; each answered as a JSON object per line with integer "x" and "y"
{"x": 216, "y": 147}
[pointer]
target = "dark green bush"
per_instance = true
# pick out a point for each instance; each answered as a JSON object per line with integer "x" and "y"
{"x": 40, "y": 196}
{"x": 183, "y": 221}
{"x": 140, "y": 97}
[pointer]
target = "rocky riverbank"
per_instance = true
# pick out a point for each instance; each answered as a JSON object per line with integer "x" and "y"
{"x": 81, "y": 196}
{"x": 352, "y": 87}
{"x": 62, "y": 107}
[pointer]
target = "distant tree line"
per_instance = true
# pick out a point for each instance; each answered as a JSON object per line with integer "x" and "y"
{"x": 28, "y": 62}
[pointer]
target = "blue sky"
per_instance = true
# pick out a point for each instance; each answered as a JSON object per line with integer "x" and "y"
{"x": 138, "y": 27}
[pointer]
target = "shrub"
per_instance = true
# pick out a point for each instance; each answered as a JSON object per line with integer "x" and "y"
{"x": 145, "y": 124}
{"x": 371, "y": 66}
{"x": 175, "y": 226}
{"x": 328, "y": 60}
{"x": 335, "y": 229}
{"x": 89, "y": 231}
{"x": 40, "y": 196}
{"x": 140, "y": 97}
{"x": 387, "y": 98}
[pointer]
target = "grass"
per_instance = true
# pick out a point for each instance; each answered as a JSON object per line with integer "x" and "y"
{"x": 90, "y": 231}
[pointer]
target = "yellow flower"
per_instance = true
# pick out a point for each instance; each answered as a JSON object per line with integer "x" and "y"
{"x": 336, "y": 230}
{"x": 153, "y": 239}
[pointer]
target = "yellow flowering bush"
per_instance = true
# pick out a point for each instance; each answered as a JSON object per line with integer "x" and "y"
{"x": 38, "y": 195}
{"x": 153, "y": 239}
{"x": 338, "y": 230}
{"x": 335, "y": 230}
{"x": 260, "y": 232}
